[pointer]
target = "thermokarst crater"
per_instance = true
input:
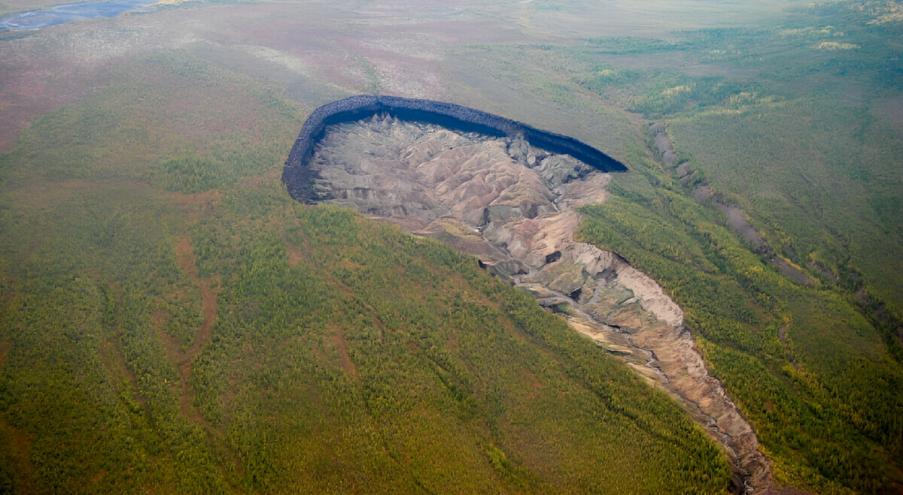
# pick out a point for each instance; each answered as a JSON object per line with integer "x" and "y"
{"x": 509, "y": 194}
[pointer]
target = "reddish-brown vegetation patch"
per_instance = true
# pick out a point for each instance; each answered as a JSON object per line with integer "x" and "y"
{"x": 185, "y": 359}
{"x": 19, "y": 448}
{"x": 341, "y": 345}
{"x": 294, "y": 256}
{"x": 5, "y": 346}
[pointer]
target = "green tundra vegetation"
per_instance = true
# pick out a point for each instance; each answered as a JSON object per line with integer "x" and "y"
{"x": 170, "y": 321}
{"x": 797, "y": 125}
{"x": 806, "y": 367}
{"x": 173, "y": 322}
{"x": 804, "y": 147}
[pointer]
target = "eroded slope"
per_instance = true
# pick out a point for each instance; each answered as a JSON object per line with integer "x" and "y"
{"x": 514, "y": 206}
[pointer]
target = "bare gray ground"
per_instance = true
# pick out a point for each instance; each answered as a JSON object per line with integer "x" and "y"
{"x": 515, "y": 207}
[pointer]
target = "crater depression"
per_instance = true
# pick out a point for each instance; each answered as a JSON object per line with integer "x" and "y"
{"x": 510, "y": 195}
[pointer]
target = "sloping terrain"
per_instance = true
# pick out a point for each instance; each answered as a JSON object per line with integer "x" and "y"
{"x": 515, "y": 206}
{"x": 176, "y": 323}
{"x": 121, "y": 139}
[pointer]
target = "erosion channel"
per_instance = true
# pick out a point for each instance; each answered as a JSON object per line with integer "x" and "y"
{"x": 513, "y": 202}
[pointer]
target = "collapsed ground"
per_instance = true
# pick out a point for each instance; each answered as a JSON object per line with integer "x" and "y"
{"x": 516, "y": 208}
{"x": 791, "y": 117}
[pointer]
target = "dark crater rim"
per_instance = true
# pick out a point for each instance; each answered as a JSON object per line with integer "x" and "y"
{"x": 299, "y": 178}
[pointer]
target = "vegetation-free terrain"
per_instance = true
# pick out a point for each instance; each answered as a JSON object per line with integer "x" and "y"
{"x": 172, "y": 321}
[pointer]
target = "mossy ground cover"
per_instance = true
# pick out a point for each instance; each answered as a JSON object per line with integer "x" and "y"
{"x": 793, "y": 123}
{"x": 801, "y": 147}
{"x": 802, "y": 363}
{"x": 345, "y": 356}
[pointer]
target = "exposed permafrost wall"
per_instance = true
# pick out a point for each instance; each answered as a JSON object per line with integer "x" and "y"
{"x": 516, "y": 208}
{"x": 448, "y": 115}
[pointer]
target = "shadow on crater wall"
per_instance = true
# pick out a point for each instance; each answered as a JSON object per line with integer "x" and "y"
{"x": 298, "y": 178}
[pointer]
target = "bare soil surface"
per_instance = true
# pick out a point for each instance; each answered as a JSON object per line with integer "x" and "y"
{"x": 515, "y": 208}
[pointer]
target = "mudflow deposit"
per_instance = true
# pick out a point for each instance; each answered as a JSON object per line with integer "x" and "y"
{"x": 515, "y": 207}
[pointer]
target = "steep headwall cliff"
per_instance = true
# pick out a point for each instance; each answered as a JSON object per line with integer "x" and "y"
{"x": 296, "y": 175}
{"x": 516, "y": 208}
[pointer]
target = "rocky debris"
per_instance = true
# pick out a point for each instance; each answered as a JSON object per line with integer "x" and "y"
{"x": 514, "y": 207}
{"x": 521, "y": 137}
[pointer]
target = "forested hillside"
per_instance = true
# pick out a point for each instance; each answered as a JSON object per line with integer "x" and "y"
{"x": 175, "y": 322}
{"x": 171, "y": 321}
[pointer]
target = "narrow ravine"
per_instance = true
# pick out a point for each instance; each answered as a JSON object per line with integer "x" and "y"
{"x": 735, "y": 218}
{"x": 514, "y": 207}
